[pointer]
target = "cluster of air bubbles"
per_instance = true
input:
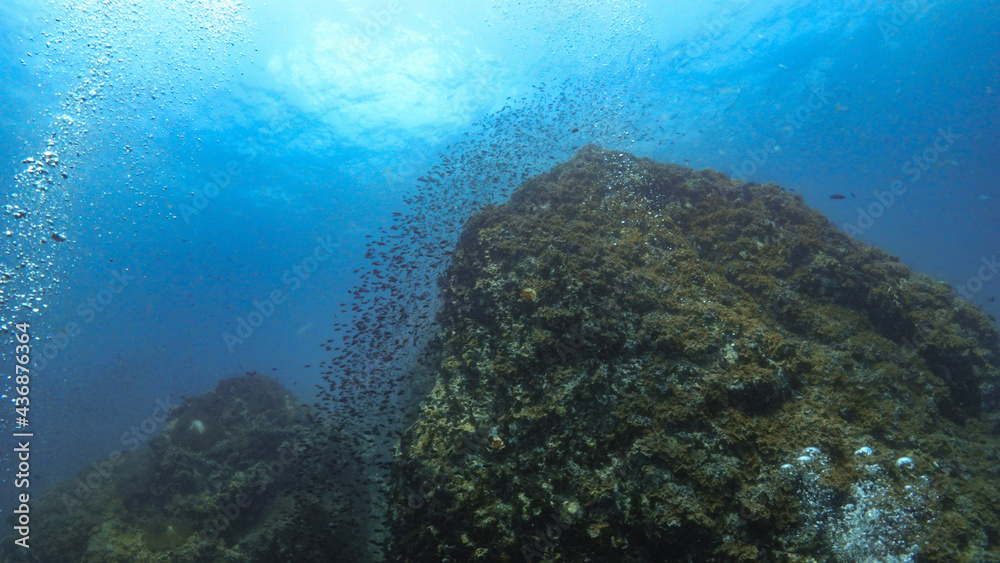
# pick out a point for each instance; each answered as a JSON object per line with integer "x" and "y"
{"x": 876, "y": 523}
{"x": 105, "y": 58}
{"x": 40, "y": 171}
{"x": 810, "y": 459}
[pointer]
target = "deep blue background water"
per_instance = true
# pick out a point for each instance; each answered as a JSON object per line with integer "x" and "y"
{"x": 330, "y": 113}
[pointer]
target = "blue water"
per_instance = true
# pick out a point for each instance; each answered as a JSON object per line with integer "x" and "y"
{"x": 211, "y": 148}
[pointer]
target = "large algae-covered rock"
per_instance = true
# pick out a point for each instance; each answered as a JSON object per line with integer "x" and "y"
{"x": 643, "y": 362}
{"x": 230, "y": 478}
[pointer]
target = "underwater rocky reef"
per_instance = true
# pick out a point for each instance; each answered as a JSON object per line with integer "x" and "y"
{"x": 232, "y": 477}
{"x": 633, "y": 362}
{"x": 644, "y": 362}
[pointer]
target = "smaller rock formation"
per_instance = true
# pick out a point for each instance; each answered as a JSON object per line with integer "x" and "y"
{"x": 230, "y": 478}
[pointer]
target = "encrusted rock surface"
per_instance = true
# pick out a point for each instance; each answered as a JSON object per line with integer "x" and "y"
{"x": 643, "y": 362}
{"x": 231, "y": 478}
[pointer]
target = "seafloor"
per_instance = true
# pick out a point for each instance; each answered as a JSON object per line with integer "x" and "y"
{"x": 635, "y": 362}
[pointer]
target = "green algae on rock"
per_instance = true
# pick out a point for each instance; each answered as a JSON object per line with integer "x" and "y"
{"x": 229, "y": 478}
{"x": 640, "y": 359}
